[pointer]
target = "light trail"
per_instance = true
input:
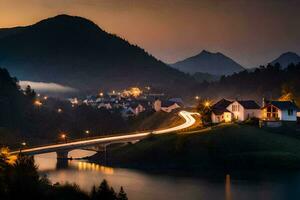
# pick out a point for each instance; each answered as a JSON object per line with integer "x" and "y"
{"x": 189, "y": 121}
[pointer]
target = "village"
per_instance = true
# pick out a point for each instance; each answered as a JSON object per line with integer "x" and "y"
{"x": 133, "y": 101}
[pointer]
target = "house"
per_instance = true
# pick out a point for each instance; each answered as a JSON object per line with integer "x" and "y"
{"x": 166, "y": 106}
{"x": 279, "y": 111}
{"x": 137, "y": 108}
{"x": 220, "y": 113}
{"x": 106, "y": 105}
{"x": 244, "y": 109}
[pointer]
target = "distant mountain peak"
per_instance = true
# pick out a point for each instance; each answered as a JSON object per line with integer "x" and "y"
{"x": 64, "y": 20}
{"x": 74, "y": 51}
{"x": 208, "y": 62}
{"x": 287, "y": 58}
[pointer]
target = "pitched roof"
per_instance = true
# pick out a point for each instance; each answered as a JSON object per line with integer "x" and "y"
{"x": 223, "y": 103}
{"x": 283, "y": 105}
{"x": 221, "y": 106}
{"x": 167, "y": 103}
{"x": 249, "y": 104}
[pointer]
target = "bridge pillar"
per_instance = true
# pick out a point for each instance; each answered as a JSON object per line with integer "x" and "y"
{"x": 62, "y": 154}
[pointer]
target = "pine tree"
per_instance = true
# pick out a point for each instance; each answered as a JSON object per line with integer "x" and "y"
{"x": 122, "y": 195}
{"x": 30, "y": 92}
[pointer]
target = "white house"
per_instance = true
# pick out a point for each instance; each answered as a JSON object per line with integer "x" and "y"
{"x": 166, "y": 106}
{"x": 243, "y": 110}
{"x": 220, "y": 113}
{"x": 105, "y": 105}
{"x": 279, "y": 111}
{"x": 138, "y": 108}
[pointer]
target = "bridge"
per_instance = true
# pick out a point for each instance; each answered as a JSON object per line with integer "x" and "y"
{"x": 62, "y": 150}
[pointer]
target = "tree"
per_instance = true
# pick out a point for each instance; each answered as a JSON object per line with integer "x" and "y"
{"x": 122, "y": 195}
{"x": 30, "y": 93}
{"x": 104, "y": 192}
{"x": 204, "y": 108}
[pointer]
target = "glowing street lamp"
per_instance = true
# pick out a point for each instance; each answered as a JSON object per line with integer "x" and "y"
{"x": 64, "y": 137}
{"x": 87, "y": 132}
{"x": 59, "y": 110}
{"x": 38, "y": 103}
{"x": 45, "y": 97}
{"x": 197, "y": 97}
{"x": 23, "y": 144}
{"x": 206, "y": 104}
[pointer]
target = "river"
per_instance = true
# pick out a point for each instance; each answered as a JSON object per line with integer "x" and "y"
{"x": 140, "y": 185}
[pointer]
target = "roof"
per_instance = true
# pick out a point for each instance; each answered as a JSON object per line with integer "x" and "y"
{"x": 221, "y": 106}
{"x": 249, "y": 104}
{"x": 176, "y": 100}
{"x": 167, "y": 103}
{"x": 223, "y": 103}
{"x": 283, "y": 105}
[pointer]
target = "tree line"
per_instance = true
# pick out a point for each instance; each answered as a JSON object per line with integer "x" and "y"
{"x": 21, "y": 180}
{"x": 270, "y": 82}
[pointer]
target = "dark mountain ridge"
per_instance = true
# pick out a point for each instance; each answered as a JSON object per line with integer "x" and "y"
{"x": 207, "y": 62}
{"x": 74, "y": 51}
{"x": 286, "y": 59}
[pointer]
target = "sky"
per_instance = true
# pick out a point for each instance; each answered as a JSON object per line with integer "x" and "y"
{"x": 252, "y": 32}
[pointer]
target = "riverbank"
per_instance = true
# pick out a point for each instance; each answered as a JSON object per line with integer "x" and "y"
{"x": 225, "y": 148}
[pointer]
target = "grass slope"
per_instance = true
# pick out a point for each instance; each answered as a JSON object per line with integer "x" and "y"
{"x": 156, "y": 120}
{"x": 226, "y": 147}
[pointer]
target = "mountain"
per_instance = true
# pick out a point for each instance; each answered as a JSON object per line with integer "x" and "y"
{"x": 207, "y": 62}
{"x": 287, "y": 58}
{"x": 75, "y": 52}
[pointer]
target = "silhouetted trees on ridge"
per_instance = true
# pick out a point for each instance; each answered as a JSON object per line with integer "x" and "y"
{"x": 271, "y": 82}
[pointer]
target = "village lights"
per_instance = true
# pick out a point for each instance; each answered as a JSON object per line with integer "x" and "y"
{"x": 38, "y": 103}
{"x": 206, "y": 104}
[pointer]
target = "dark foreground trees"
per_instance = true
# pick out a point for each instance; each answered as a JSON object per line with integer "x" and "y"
{"x": 21, "y": 180}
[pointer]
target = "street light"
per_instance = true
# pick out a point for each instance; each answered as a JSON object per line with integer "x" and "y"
{"x": 64, "y": 137}
{"x": 87, "y": 132}
{"x": 59, "y": 110}
{"x": 197, "y": 97}
{"x": 206, "y": 104}
{"x": 38, "y": 103}
{"x": 23, "y": 144}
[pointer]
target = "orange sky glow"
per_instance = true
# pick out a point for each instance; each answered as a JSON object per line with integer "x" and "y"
{"x": 251, "y": 32}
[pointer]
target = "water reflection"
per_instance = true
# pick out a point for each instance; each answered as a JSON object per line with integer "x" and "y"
{"x": 83, "y": 166}
{"x": 228, "y": 188}
{"x": 149, "y": 186}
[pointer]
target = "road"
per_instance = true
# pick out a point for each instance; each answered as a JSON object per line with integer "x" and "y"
{"x": 187, "y": 116}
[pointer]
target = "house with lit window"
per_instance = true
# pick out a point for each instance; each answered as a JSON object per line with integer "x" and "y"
{"x": 244, "y": 109}
{"x": 279, "y": 111}
{"x": 220, "y": 113}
